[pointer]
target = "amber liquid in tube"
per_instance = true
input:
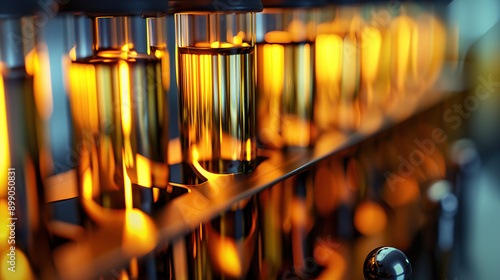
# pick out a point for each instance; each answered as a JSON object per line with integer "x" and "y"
{"x": 217, "y": 101}
{"x": 119, "y": 110}
{"x": 286, "y": 85}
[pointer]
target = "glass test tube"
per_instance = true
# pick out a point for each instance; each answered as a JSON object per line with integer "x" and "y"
{"x": 216, "y": 83}
{"x": 119, "y": 109}
{"x": 24, "y": 239}
{"x": 339, "y": 55}
{"x": 285, "y": 77}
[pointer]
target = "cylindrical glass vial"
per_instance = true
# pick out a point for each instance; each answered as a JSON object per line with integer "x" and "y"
{"x": 216, "y": 83}
{"x": 24, "y": 237}
{"x": 339, "y": 53}
{"x": 119, "y": 105}
{"x": 286, "y": 34}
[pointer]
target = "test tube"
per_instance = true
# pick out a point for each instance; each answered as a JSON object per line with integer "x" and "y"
{"x": 118, "y": 102}
{"x": 24, "y": 236}
{"x": 216, "y": 83}
{"x": 286, "y": 34}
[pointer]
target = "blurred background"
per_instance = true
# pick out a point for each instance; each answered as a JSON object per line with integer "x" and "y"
{"x": 356, "y": 124}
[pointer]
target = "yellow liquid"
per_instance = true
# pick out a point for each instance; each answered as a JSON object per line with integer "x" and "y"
{"x": 120, "y": 119}
{"x": 285, "y": 81}
{"x": 217, "y": 108}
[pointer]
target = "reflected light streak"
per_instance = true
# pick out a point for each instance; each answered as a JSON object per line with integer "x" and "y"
{"x": 4, "y": 137}
{"x": 228, "y": 258}
{"x": 4, "y": 231}
{"x": 402, "y": 30}
{"x": 140, "y": 234}
{"x": 328, "y": 76}
{"x": 127, "y": 185}
{"x": 143, "y": 171}
{"x": 156, "y": 194}
{"x": 38, "y": 65}
{"x": 72, "y": 53}
{"x": 126, "y": 115}
{"x": 328, "y": 59}
{"x": 273, "y": 78}
{"x": 200, "y": 169}
{"x": 125, "y": 97}
{"x": 249, "y": 150}
{"x": 370, "y": 58}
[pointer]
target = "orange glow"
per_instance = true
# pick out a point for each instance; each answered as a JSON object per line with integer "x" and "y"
{"x": 159, "y": 54}
{"x": 428, "y": 50}
{"x": 38, "y": 66}
{"x": 124, "y": 275}
{"x": 165, "y": 70}
{"x": 134, "y": 268}
{"x": 238, "y": 39}
{"x": 140, "y": 234}
{"x": 127, "y": 185}
{"x": 72, "y": 53}
{"x": 402, "y": 192}
{"x": 127, "y": 47}
{"x": 370, "y": 56}
{"x": 295, "y": 131}
{"x": 333, "y": 261}
{"x": 143, "y": 171}
{"x": 370, "y": 218}
{"x": 200, "y": 169}
{"x": 298, "y": 31}
{"x": 296, "y": 128}
{"x": 32, "y": 62}
{"x": 126, "y": 114}
{"x": 278, "y": 37}
{"x": 87, "y": 185}
{"x": 275, "y": 70}
{"x": 156, "y": 194}
{"x": 23, "y": 268}
{"x": 218, "y": 44}
{"x": 89, "y": 78}
{"x": 328, "y": 75}
{"x": 402, "y": 33}
{"x": 4, "y": 214}
{"x": 349, "y": 67}
{"x": 232, "y": 258}
{"x": 273, "y": 80}
{"x": 229, "y": 259}
{"x": 249, "y": 150}
{"x": 347, "y": 114}
{"x": 328, "y": 58}
{"x": 4, "y": 137}
{"x": 125, "y": 98}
